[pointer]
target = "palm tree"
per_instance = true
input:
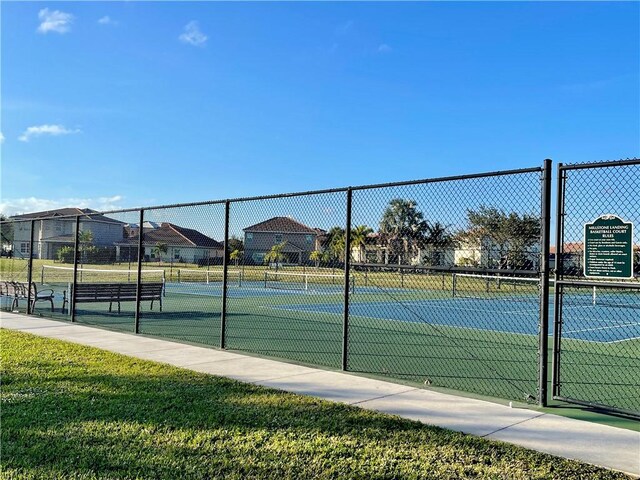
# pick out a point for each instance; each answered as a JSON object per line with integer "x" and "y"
{"x": 316, "y": 256}
{"x": 359, "y": 237}
{"x": 275, "y": 255}
{"x": 159, "y": 249}
{"x": 236, "y": 255}
{"x": 402, "y": 226}
{"x": 334, "y": 244}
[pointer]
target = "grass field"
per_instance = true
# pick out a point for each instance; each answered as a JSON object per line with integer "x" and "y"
{"x": 70, "y": 411}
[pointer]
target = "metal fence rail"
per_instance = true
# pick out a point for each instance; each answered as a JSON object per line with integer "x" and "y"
{"x": 596, "y": 360}
{"x": 440, "y": 281}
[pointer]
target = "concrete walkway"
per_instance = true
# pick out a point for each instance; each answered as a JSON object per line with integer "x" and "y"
{"x": 602, "y": 445}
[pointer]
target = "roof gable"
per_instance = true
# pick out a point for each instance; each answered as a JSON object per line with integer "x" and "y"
{"x": 280, "y": 225}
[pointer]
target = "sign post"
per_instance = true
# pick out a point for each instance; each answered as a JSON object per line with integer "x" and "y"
{"x": 608, "y": 248}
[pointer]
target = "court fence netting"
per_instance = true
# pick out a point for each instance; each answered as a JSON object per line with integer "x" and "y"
{"x": 450, "y": 283}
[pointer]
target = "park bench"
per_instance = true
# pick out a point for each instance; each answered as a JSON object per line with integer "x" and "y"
{"x": 115, "y": 293}
{"x": 20, "y": 291}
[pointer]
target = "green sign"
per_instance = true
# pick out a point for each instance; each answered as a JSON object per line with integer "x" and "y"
{"x": 608, "y": 248}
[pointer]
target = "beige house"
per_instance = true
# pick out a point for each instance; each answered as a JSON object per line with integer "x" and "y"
{"x": 300, "y": 240}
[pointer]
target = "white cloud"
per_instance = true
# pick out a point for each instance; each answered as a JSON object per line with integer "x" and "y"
{"x": 107, "y": 20}
{"x": 192, "y": 35}
{"x": 54, "y": 21}
{"x": 1, "y": 138}
{"x": 54, "y": 130}
{"x": 17, "y": 206}
{"x": 384, "y": 48}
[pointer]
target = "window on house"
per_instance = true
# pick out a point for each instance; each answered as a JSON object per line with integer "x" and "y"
{"x": 308, "y": 239}
{"x": 249, "y": 237}
{"x": 278, "y": 238}
{"x": 176, "y": 254}
{"x": 24, "y": 248}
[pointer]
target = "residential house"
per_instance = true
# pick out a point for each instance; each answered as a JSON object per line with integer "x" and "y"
{"x": 300, "y": 240}
{"x": 572, "y": 258}
{"x": 183, "y": 245}
{"x": 378, "y": 251}
{"x": 487, "y": 254}
{"x": 54, "y": 229}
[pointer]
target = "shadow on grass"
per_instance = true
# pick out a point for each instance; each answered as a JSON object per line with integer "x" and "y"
{"x": 72, "y": 411}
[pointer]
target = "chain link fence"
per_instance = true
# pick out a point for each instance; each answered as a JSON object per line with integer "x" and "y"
{"x": 442, "y": 282}
{"x": 450, "y": 281}
{"x": 597, "y": 295}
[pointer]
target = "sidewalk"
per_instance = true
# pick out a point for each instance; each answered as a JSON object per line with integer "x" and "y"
{"x": 611, "y": 447}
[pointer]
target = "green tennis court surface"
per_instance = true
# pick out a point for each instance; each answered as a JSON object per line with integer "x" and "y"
{"x": 486, "y": 345}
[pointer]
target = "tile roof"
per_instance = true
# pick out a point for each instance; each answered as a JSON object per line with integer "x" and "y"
{"x": 568, "y": 247}
{"x": 281, "y": 225}
{"x": 87, "y": 214}
{"x": 174, "y": 235}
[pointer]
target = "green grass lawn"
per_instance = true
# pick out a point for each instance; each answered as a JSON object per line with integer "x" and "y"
{"x": 70, "y": 411}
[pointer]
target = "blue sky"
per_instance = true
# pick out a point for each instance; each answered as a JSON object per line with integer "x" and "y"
{"x": 114, "y": 105}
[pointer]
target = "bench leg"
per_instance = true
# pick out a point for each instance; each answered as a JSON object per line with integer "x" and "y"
{"x": 160, "y": 301}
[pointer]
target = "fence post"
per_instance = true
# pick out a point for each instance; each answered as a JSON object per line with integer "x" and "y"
{"x": 225, "y": 271}
{"x": 76, "y": 255}
{"x": 30, "y": 266}
{"x": 557, "y": 294}
{"x": 347, "y": 282}
{"x": 544, "y": 279}
{"x": 139, "y": 278}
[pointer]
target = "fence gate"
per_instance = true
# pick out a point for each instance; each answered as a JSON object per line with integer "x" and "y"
{"x": 596, "y": 348}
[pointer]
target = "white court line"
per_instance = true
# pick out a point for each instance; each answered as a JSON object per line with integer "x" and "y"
{"x": 624, "y": 340}
{"x": 603, "y": 328}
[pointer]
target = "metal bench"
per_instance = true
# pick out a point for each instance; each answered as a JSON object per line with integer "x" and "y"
{"x": 115, "y": 293}
{"x": 20, "y": 291}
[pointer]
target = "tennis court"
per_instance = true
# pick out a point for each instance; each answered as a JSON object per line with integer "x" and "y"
{"x": 476, "y": 302}
{"x": 588, "y": 321}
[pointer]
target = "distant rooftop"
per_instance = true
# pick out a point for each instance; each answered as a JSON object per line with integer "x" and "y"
{"x": 282, "y": 225}
{"x": 86, "y": 214}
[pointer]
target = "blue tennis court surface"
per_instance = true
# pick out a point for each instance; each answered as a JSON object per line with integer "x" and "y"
{"x": 592, "y": 323}
{"x": 256, "y": 289}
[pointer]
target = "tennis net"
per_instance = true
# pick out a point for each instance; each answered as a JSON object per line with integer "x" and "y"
{"x": 318, "y": 282}
{"x": 603, "y": 295}
{"x": 187, "y": 275}
{"x": 53, "y": 274}
{"x": 478, "y": 286}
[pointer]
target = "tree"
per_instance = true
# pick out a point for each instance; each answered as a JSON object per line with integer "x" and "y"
{"x": 335, "y": 243}
{"x": 235, "y": 244}
{"x": 85, "y": 240}
{"x": 402, "y": 227}
{"x": 510, "y": 234}
{"x": 359, "y": 238}
{"x": 436, "y": 237}
{"x": 159, "y": 249}
{"x": 316, "y": 256}
{"x": 6, "y": 230}
{"x": 275, "y": 255}
{"x": 236, "y": 255}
